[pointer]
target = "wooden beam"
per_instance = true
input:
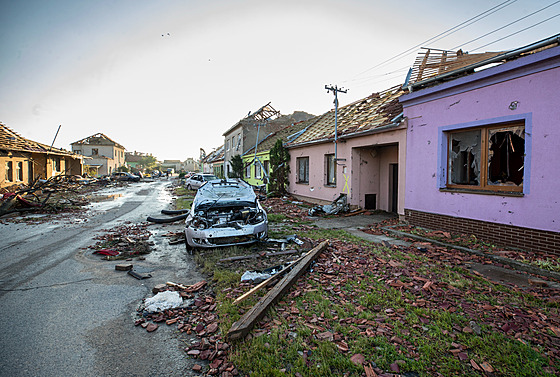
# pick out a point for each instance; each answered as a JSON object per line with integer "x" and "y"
{"x": 242, "y": 327}
{"x": 268, "y": 281}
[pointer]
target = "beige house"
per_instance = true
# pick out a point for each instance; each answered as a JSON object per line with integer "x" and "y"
{"x": 22, "y": 161}
{"x": 105, "y": 155}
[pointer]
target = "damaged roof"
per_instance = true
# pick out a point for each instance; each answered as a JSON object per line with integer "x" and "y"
{"x": 286, "y": 134}
{"x": 216, "y": 155}
{"x": 98, "y": 139}
{"x": 374, "y": 112}
{"x": 11, "y": 141}
{"x": 265, "y": 113}
{"x": 434, "y": 67}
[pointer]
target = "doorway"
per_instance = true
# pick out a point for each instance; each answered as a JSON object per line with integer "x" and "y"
{"x": 393, "y": 187}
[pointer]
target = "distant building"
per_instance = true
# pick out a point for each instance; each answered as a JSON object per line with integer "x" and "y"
{"x": 22, "y": 161}
{"x": 176, "y": 165}
{"x": 105, "y": 154}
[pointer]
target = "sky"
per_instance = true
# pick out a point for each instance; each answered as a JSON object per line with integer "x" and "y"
{"x": 169, "y": 77}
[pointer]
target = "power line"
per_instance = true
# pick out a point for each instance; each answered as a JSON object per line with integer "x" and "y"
{"x": 444, "y": 34}
{"x": 517, "y": 32}
{"x": 503, "y": 27}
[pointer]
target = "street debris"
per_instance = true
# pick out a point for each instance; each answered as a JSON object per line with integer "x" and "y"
{"x": 124, "y": 242}
{"x": 337, "y": 206}
{"x": 163, "y": 300}
{"x": 242, "y": 327}
{"x": 139, "y": 275}
{"x": 57, "y": 194}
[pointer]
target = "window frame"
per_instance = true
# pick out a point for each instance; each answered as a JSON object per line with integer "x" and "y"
{"x": 305, "y": 161}
{"x": 330, "y": 161}
{"x": 247, "y": 171}
{"x": 9, "y": 171}
{"x": 258, "y": 170}
{"x": 483, "y": 186}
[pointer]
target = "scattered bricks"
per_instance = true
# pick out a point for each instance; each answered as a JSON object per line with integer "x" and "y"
{"x": 151, "y": 327}
{"x": 139, "y": 321}
{"x": 197, "y": 368}
{"x": 171, "y": 321}
{"x": 123, "y": 267}
{"x": 159, "y": 288}
{"x": 358, "y": 359}
{"x": 193, "y": 353}
{"x": 213, "y": 327}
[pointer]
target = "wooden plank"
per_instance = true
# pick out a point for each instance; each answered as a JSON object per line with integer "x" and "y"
{"x": 268, "y": 281}
{"x": 242, "y": 327}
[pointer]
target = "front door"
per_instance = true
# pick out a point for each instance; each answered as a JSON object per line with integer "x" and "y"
{"x": 394, "y": 187}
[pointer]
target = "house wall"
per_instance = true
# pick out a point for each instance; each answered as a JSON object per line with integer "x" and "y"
{"x": 115, "y": 156}
{"x": 364, "y": 171}
{"x": 36, "y": 165}
{"x": 487, "y": 97}
{"x": 252, "y": 180}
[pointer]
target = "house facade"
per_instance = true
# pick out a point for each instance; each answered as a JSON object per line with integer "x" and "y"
{"x": 485, "y": 146}
{"x": 104, "y": 155}
{"x": 254, "y": 128}
{"x": 367, "y": 162}
{"x": 22, "y": 161}
{"x": 213, "y": 163}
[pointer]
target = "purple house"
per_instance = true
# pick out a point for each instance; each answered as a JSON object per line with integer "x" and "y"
{"x": 483, "y": 148}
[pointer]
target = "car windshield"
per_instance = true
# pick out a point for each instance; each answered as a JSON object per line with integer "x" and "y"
{"x": 209, "y": 177}
{"x": 226, "y": 193}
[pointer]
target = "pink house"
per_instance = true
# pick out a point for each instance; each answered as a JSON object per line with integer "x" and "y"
{"x": 483, "y": 149}
{"x": 367, "y": 162}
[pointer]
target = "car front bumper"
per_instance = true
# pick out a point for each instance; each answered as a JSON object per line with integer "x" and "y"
{"x": 226, "y": 236}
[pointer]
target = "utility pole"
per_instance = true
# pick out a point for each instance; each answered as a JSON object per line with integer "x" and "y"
{"x": 335, "y": 90}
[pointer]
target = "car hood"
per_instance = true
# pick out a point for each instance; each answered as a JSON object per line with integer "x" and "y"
{"x": 224, "y": 194}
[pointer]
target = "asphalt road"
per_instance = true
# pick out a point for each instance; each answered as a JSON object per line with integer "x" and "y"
{"x": 66, "y": 312}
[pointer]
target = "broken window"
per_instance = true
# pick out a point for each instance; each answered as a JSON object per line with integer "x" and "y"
{"x": 94, "y": 151}
{"x": 302, "y": 169}
{"x": 248, "y": 171}
{"x": 56, "y": 164}
{"x": 9, "y": 171}
{"x": 487, "y": 158}
{"x": 19, "y": 171}
{"x": 330, "y": 170}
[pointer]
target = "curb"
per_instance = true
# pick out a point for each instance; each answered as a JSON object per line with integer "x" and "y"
{"x": 510, "y": 262}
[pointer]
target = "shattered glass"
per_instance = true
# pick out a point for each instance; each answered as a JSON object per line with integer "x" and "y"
{"x": 506, "y": 152}
{"x": 464, "y": 158}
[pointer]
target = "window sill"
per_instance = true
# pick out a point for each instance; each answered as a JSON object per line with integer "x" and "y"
{"x": 482, "y": 192}
{"x": 302, "y": 183}
{"x": 330, "y": 185}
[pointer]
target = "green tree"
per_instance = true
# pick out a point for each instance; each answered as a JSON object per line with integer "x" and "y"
{"x": 280, "y": 169}
{"x": 236, "y": 166}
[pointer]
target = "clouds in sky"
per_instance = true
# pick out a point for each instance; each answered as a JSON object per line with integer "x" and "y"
{"x": 169, "y": 77}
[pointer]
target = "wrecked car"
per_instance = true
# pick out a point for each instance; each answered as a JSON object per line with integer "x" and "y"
{"x": 225, "y": 212}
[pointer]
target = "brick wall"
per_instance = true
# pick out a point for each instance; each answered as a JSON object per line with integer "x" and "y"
{"x": 498, "y": 234}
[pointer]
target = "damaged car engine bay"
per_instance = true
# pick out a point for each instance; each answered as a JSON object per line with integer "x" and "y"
{"x": 224, "y": 213}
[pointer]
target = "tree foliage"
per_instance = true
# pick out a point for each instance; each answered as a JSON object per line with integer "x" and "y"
{"x": 280, "y": 169}
{"x": 236, "y": 166}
